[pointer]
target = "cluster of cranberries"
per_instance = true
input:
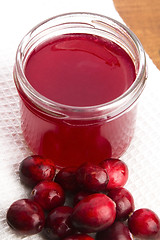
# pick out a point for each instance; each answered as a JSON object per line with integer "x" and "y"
{"x": 98, "y": 203}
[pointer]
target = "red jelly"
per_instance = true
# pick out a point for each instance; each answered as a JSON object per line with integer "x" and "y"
{"x": 78, "y": 78}
{"x": 80, "y": 70}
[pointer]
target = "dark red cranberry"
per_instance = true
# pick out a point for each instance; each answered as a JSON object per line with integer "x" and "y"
{"x": 94, "y": 213}
{"x": 91, "y": 178}
{"x": 118, "y": 231}
{"x": 117, "y": 171}
{"x": 144, "y": 224}
{"x": 58, "y": 223}
{"x": 34, "y": 169}
{"x": 124, "y": 202}
{"x": 48, "y": 195}
{"x": 79, "y": 196}
{"x": 66, "y": 177}
{"x": 79, "y": 237}
{"x": 25, "y": 216}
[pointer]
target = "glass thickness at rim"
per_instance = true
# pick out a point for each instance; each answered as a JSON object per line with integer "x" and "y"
{"x": 91, "y": 23}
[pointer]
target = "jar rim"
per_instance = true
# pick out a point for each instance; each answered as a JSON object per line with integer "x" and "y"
{"x": 106, "y": 110}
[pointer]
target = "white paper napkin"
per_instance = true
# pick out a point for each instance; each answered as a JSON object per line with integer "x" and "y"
{"x": 143, "y": 156}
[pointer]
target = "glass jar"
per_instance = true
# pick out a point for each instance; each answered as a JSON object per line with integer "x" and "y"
{"x": 72, "y": 135}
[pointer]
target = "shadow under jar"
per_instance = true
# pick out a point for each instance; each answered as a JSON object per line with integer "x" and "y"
{"x": 79, "y": 76}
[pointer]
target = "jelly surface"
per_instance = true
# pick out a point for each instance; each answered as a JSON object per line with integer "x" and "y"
{"x": 80, "y": 70}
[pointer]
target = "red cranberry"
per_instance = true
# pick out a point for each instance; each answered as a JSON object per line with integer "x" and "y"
{"x": 48, "y": 195}
{"x": 118, "y": 231}
{"x": 25, "y": 216}
{"x": 79, "y": 237}
{"x": 34, "y": 169}
{"x": 92, "y": 178}
{"x": 66, "y": 177}
{"x": 58, "y": 223}
{"x": 117, "y": 171}
{"x": 94, "y": 213}
{"x": 144, "y": 224}
{"x": 124, "y": 202}
{"x": 79, "y": 196}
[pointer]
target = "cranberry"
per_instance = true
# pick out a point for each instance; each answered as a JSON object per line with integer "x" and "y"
{"x": 25, "y": 216}
{"x": 48, "y": 195}
{"x": 79, "y": 196}
{"x": 124, "y": 202}
{"x": 94, "y": 213}
{"x": 144, "y": 223}
{"x": 79, "y": 237}
{"x": 118, "y": 231}
{"x": 34, "y": 169}
{"x": 92, "y": 178}
{"x": 66, "y": 177}
{"x": 58, "y": 223}
{"x": 117, "y": 171}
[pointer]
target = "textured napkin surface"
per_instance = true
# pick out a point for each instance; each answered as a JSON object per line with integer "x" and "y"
{"x": 143, "y": 156}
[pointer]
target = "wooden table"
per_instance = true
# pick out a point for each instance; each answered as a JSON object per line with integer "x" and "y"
{"x": 143, "y": 18}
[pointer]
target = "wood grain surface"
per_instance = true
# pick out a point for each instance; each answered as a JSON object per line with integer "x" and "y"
{"x": 143, "y": 18}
